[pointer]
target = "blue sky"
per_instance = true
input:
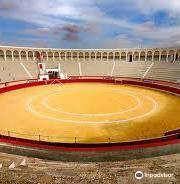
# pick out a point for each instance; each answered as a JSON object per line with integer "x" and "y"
{"x": 90, "y": 24}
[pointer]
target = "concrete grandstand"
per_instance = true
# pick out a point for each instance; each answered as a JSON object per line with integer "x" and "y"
{"x": 18, "y": 63}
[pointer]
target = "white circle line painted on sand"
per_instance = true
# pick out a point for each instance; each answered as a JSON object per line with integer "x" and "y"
{"x": 45, "y": 104}
{"x": 90, "y": 122}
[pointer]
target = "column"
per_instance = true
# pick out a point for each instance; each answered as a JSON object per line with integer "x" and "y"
{"x": 59, "y": 58}
{"x": 84, "y": 56}
{"x": 174, "y": 56}
{"x": 133, "y": 56}
{"x": 139, "y": 56}
{"x": 152, "y": 57}
{"x": 33, "y": 56}
{"x": 160, "y": 53}
{"x": 12, "y": 54}
{"x": 27, "y": 56}
{"x": 167, "y": 56}
{"x": 65, "y": 56}
{"x": 120, "y": 55}
{"x": 47, "y": 56}
{"x": 126, "y": 56}
{"x": 113, "y": 56}
{"x": 145, "y": 56}
{"x": 20, "y": 56}
{"x": 5, "y": 56}
{"x": 71, "y": 56}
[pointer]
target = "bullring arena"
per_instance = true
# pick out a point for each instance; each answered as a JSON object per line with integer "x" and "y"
{"x": 99, "y": 104}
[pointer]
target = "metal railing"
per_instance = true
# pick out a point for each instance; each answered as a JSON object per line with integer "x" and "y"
{"x": 78, "y": 139}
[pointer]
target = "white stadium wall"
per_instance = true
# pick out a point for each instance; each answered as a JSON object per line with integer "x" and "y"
{"x": 19, "y": 63}
{"x": 29, "y": 54}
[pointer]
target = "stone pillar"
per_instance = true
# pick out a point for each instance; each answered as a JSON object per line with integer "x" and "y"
{"x": 139, "y": 56}
{"x": 152, "y": 57}
{"x": 65, "y": 56}
{"x": 160, "y": 55}
{"x": 20, "y": 56}
{"x": 53, "y": 56}
{"x": 174, "y": 56}
{"x": 27, "y": 56}
{"x": 12, "y": 54}
{"x": 133, "y": 56}
{"x": 59, "y": 58}
{"x": 167, "y": 56}
{"x": 126, "y": 56}
{"x": 113, "y": 56}
{"x": 33, "y": 56}
{"x": 145, "y": 56}
{"x": 5, "y": 58}
{"x": 120, "y": 55}
{"x": 71, "y": 56}
{"x": 78, "y": 56}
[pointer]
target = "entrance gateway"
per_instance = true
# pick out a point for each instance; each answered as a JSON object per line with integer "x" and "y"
{"x": 48, "y": 73}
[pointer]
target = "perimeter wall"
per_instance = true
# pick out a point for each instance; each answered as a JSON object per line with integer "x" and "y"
{"x": 168, "y": 144}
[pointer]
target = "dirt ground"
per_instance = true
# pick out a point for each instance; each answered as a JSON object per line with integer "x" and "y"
{"x": 38, "y": 171}
{"x": 88, "y": 112}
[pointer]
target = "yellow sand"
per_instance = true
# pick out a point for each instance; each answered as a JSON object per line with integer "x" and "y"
{"x": 91, "y": 112}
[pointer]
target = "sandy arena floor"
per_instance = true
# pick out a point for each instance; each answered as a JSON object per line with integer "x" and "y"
{"x": 91, "y": 112}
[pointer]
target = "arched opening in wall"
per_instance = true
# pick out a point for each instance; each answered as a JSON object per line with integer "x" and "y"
{"x": 129, "y": 57}
{"x": 178, "y": 55}
{"x": 56, "y": 56}
{"x": 98, "y": 56}
{"x": 117, "y": 56}
{"x": 149, "y": 56}
{"x": 136, "y": 56}
{"x": 2, "y": 55}
{"x": 8, "y": 55}
{"x": 36, "y": 55}
{"x": 75, "y": 56}
{"x": 30, "y": 56}
{"x": 123, "y": 56}
{"x": 93, "y": 56}
{"x": 81, "y": 55}
{"x": 156, "y": 56}
{"x": 171, "y": 56}
{"x": 87, "y": 56}
{"x": 16, "y": 55}
{"x": 163, "y": 55}
{"x": 50, "y": 56}
{"x": 68, "y": 55}
{"x": 63, "y": 56}
{"x": 105, "y": 56}
{"x": 111, "y": 56}
{"x": 44, "y": 54}
{"x": 142, "y": 56}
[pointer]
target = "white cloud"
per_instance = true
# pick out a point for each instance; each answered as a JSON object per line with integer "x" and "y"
{"x": 50, "y": 14}
{"x": 151, "y": 6}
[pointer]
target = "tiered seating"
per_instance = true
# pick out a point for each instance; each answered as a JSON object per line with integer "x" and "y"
{"x": 71, "y": 68}
{"x": 51, "y": 64}
{"x": 12, "y": 71}
{"x": 32, "y": 68}
{"x": 130, "y": 69}
{"x": 165, "y": 71}
{"x": 96, "y": 68}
